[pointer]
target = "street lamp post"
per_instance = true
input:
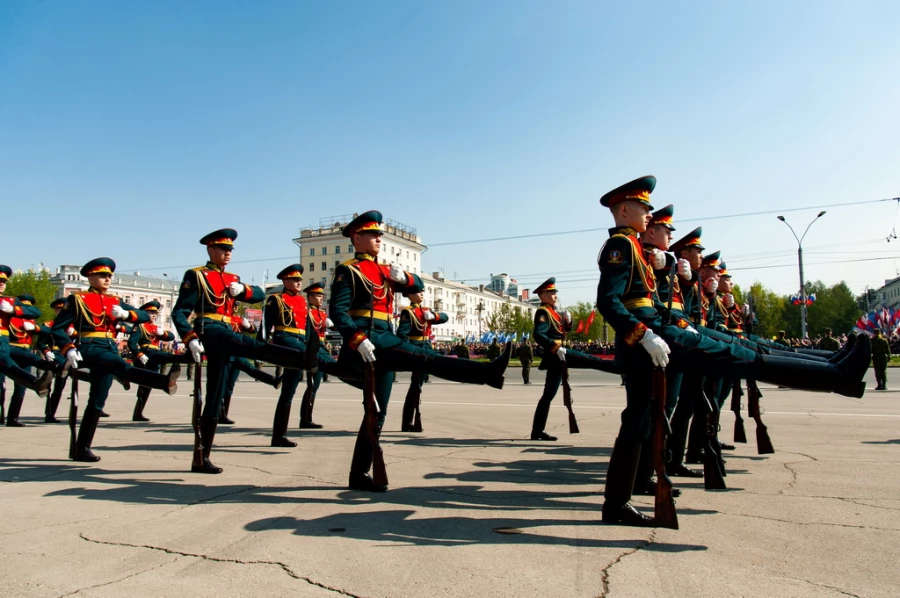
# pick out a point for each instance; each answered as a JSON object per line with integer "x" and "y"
{"x": 800, "y": 261}
{"x": 479, "y": 309}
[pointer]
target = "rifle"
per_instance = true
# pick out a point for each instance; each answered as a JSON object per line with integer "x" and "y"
{"x": 73, "y": 416}
{"x": 664, "y": 514}
{"x": 740, "y": 435}
{"x": 567, "y": 391}
{"x": 763, "y": 442}
{"x": 196, "y": 412}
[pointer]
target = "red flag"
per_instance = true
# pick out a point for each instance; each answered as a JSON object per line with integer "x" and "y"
{"x": 590, "y": 321}
{"x": 580, "y": 328}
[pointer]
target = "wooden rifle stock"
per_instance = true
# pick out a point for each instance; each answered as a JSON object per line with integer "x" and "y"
{"x": 740, "y": 434}
{"x": 763, "y": 442}
{"x": 73, "y": 415}
{"x": 567, "y": 397}
{"x": 196, "y": 411}
{"x": 664, "y": 514}
{"x": 379, "y": 470}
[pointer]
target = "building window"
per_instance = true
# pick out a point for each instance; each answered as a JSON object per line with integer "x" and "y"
{"x": 324, "y": 251}
{"x": 168, "y": 303}
{"x": 324, "y": 266}
{"x": 337, "y": 248}
{"x": 414, "y": 257}
{"x": 407, "y": 255}
{"x": 336, "y": 263}
{"x": 312, "y": 251}
{"x": 312, "y": 267}
{"x": 350, "y": 248}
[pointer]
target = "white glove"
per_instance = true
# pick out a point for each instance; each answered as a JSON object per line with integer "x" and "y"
{"x": 143, "y": 359}
{"x": 6, "y": 307}
{"x": 692, "y": 330}
{"x": 329, "y": 323}
{"x": 29, "y": 326}
{"x": 235, "y": 289}
{"x": 684, "y": 268}
{"x": 70, "y": 331}
{"x": 728, "y": 300}
{"x": 561, "y": 353}
{"x": 397, "y": 274}
{"x": 657, "y": 259}
{"x": 160, "y": 332}
{"x": 48, "y": 356}
{"x": 196, "y": 349}
{"x": 118, "y": 313}
{"x": 367, "y": 351}
{"x": 745, "y": 310}
{"x": 711, "y": 285}
{"x": 246, "y": 323}
{"x": 429, "y": 315}
{"x": 72, "y": 359}
{"x": 656, "y": 347}
{"x": 566, "y": 316}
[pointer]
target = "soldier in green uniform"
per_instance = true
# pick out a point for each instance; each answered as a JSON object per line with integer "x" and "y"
{"x": 51, "y": 353}
{"x": 493, "y": 351}
{"x": 462, "y": 350}
{"x": 782, "y": 340}
{"x": 22, "y": 333}
{"x": 526, "y": 356}
{"x": 550, "y": 330}
{"x": 143, "y": 343}
{"x": 415, "y": 327}
{"x": 319, "y": 323}
{"x": 94, "y": 315}
{"x": 627, "y": 299}
{"x": 881, "y": 355}
{"x": 829, "y": 343}
{"x": 362, "y": 305}
{"x": 211, "y": 293}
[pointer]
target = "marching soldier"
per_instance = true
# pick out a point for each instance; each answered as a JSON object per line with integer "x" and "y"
{"x": 242, "y": 325}
{"x": 211, "y": 293}
{"x": 11, "y": 307}
{"x": 550, "y": 329}
{"x": 627, "y": 299}
{"x": 51, "y": 353}
{"x": 320, "y": 322}
{"x": 526, "y": 356}
{"x": 362, "y": 304}
{"x": 881, "y": 355}
{"x": 415, "y": 326}
{"x": 22, "y": 332}
{"x": 143, "y": 342}
{"x": 94, "y": 314}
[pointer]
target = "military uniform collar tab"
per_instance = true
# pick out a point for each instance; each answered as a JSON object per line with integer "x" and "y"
{"x": 365, "y": 256}
{"x": 650, "y": 246}
{"x": 213, "y": 266}
{"x": 623, "y": 230}
{"x": 93, "y": 290}
{"x": 415, "y": 305}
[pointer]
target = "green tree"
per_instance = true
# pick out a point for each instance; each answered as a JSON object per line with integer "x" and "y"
{"x": 510, "y": 319}
{"x": 769, "y": 309}
{"x": 37, "y": 283}
{"x": 581, "y": 312}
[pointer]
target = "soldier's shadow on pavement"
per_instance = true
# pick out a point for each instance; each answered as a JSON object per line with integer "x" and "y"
{"x": 397, "y": 528}
{"x": 894, "y": 441}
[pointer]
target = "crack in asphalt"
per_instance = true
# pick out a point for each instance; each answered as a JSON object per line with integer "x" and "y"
{"x": 604, "y": 573}
{"x": 290, "y": 572}
{"x": 825, "y": 585}
{"x": 109, "y": 583}
{"x": 794, "y": 474}
{"x": 847, "y": 525}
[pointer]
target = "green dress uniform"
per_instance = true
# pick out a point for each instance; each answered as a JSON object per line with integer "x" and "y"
{"x": 362, "y": 306}
{"x": 550, "y": 329}
{"x": 10, "y": 307}
{"x": 91, "y": 314}
{"x": 627, "y": 298}
{"x": 47, "y": 345}
{"x": 319, "y": 323}
{"x": 144, "y": 344}
{"x": 415, "y": 327}
{"x": 881, "y": 355}
{"x": 211, "y": 293}
{"x": 22, "y": 334}
{"x": 526, "y": 356}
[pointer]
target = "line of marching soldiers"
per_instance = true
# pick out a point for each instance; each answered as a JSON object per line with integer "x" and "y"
{"x": 673, "y": 313}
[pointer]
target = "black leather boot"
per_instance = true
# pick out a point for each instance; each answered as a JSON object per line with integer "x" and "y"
{"x": 306, "y": 411}
{"x": 280, "y": 426}
{"x": 166, "y": 383}
{"x": 207, "y": 435}
{"x": 620, "y": 476}
{"x": 469, "y": 371}
{"x": 360, "y": 465}
{"x": 143, "y": 394}
{"x": 843, "y": 378}
{"x": 15, "y": 406}
{"x": 223, "y": 413}
{"x": 59, "y": 385}
{"x": 86, "y": 436}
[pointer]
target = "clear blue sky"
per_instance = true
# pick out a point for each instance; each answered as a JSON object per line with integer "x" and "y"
{"x": 131, "y": 129}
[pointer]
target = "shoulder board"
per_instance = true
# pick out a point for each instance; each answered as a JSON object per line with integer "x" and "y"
{"x": 197, "y": 269}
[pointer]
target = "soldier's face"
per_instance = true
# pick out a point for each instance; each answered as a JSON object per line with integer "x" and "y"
{"x": 636, "y": 215}
{"x": 725, "y": 285}
{"x": 315, "y": 299}
{"x": 220, "y": 255}
{"x": 694, "y": 255}
{"x": 2, "y": 286}
{"x": 707, "y": 273}
{"x": 100, "y": 282}
{"x": 152, "y": 316}
{"x": 367, "y": 242}
{"x": 292, "y": 284}
{"x": 549, "y": 297}
{"x": 658, "y": 236}
{"x": 417, "y": 297}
